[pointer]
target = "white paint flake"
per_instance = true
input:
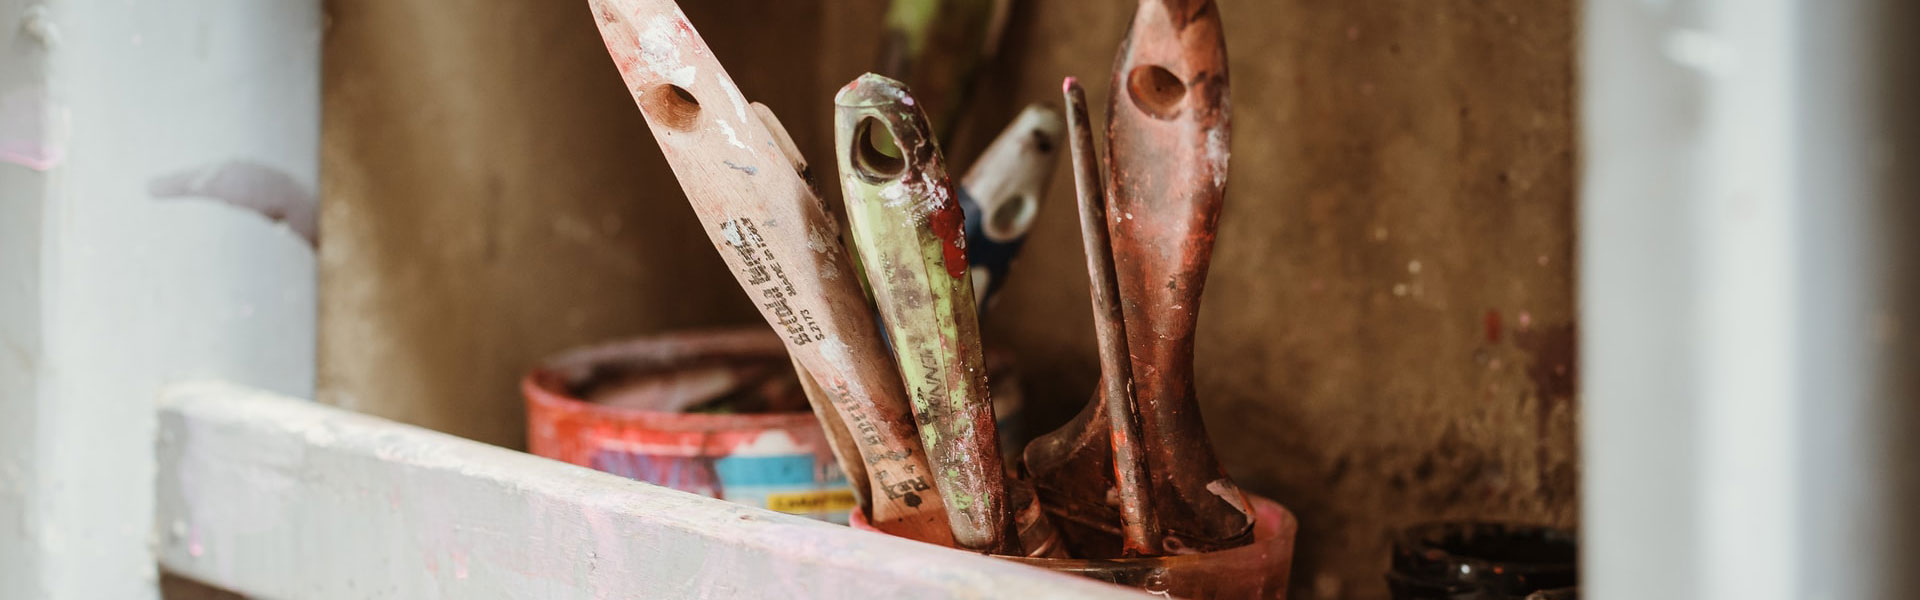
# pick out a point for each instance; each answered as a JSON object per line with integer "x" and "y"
{"x": 739, "y": 102}
{"x": 816, "y": 241}
{"x": 732, "y": 138}
{"x": 731, "y": 231}
{"x": 837, "y": 355}
{"x": 660, "y": 48}
{"x": 896, "y": 194}
{"x": 1219, "y": 152}
{"x": 1231, "y": 493}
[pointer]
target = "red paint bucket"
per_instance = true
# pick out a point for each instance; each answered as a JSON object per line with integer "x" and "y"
{"x": 717, "y": 413}
{"x": 1258, "y": 570}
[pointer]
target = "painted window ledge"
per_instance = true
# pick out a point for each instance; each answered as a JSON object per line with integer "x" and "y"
{"x": 278, "y": 497}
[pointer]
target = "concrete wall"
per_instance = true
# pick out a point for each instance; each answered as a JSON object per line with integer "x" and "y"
{"x": 1749, "y": 278}
{"x": 1388, "y": 334}
{"x": 129, "y": 134}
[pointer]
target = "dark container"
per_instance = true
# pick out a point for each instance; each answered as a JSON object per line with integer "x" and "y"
{"x": 1477, "y": 560}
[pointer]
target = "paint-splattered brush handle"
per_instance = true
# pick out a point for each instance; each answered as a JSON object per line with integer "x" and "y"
{"x": 1002, "y": 192}
{"x": 838, "y": 436}
{"x": 939, "y": 46}
{"x": 1167, "y": 140}
{"x": 902, "y": 214}
{"x": 846, "y": 448}
{"x": 780, "y": 244}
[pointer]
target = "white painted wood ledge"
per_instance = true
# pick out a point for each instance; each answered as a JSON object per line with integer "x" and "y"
{"x": 277, "y": 497}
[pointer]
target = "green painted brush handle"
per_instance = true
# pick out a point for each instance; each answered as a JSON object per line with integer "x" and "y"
{"x": 939, "y": 46}
{"x": 907, "y": 224}
{"x": 778, "y": 241}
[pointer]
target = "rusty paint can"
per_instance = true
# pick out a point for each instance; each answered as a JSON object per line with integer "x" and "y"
{"x": 1257, "y": 570}
{"x": 716, "y": 413}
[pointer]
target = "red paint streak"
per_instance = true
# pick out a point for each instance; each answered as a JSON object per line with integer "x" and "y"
{"x": 1492, "y": 325}
{"x": 948, "y": 223}
{"x": 1117, "y": 442}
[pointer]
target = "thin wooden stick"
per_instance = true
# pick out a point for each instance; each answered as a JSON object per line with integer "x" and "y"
{"x": 1141, "y": 528}
{"x": 905, "y": 220}
{"x": 782, "y": 247}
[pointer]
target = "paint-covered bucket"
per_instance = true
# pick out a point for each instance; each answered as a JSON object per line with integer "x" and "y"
{"x": 716, "y": 413}
{"x": 1258, "y": 570}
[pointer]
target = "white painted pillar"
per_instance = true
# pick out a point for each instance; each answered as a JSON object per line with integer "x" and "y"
{"x": 1746, "y": 294}
{"x": 130, "y": 132}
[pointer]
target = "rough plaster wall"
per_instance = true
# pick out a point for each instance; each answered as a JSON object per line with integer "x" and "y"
{"x": 125, "y": 129}
{"x": 493, "y": 197}
{"x": 1388, "y": 331}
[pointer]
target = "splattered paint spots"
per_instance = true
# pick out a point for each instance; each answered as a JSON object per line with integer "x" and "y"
{"x": 733, "y": 139}
{"x": 1219, "y": 151}
{"x": 33, "y": 129}
{"x": 660, "y": 47}
{"x": 950, "y": 226}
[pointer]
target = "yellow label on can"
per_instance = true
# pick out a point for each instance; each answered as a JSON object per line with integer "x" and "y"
{"x": 800, "y": 503}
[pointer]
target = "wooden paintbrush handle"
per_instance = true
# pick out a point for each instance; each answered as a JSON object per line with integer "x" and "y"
{"x": 939, "y": 46}
{"x": 904, "y": 218}
{"x": 846, "y": 451}
{"x": 1167, "y": 140}
{"x": 778, "y": 241}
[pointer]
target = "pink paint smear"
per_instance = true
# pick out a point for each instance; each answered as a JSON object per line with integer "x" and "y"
{"x": 33, "y": 130}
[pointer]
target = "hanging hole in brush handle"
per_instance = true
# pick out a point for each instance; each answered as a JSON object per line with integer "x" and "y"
{"x": 673, "y": 106}
{"x": 1011, "y": 219}
{"x": 1042, "y": 143}
{"x": 876, "y": 157}
{"x": 1156, "y": 90}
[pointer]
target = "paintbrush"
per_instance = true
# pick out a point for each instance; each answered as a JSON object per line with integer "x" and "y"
{"x": 1167, "y": 143}
{"x": 903, "y": 216}
{"x": 846, "y": 449}
{"x": 777, "y": 239}
{"x": 1140, "y": 527}
{"x": 939, "y": 46}
{"x": 1002, "y": 192}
